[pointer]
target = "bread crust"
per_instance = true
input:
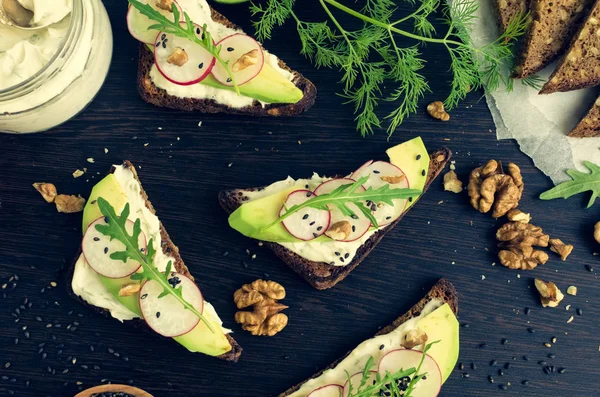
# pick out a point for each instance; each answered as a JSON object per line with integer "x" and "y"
{"x": 159, "y": 97}
{"x": 442, "y": 290}
{"x": 322, "y": 275}
{"x": 169, "y": 248}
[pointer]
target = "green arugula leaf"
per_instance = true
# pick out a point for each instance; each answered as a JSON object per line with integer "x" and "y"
{"x": 342, "y": 195}
{"x": 115, "y": 228}
{"x": 581, "y": 182}
{"x": 175, "y": 27}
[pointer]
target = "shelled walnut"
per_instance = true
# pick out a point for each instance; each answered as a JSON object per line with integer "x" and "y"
{"x": 562, "y": 249}
{"x": 437, "y": 111}
{"x": 517, "y": 242}
{"x": 452, "y": 183}
{"x": 413, "y": 338}
{"x": 262, "y": 296}
{"x": 550, "y": 295}
{"x": 490, "y": 188}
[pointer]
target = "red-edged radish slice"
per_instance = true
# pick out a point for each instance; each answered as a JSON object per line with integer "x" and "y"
{"x": 396, "y": 360}
{"x": 356, "y": 380}
{"x": 198, "y": 65}
{"x": 138, "y": 24}
{"x": 245, "y": 56}
{"x": 307, "y": 224}
{"x": 381, "y": 173}
{"x": 359, "y": 223}
{"x": 97, "y": 249}
{"x": 332, "y": 390}
{"x": 166, "y": 315}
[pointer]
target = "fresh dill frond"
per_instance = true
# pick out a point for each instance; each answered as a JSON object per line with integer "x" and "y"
{"x": 370, "y": 58}
{"x": 534, "y": 81}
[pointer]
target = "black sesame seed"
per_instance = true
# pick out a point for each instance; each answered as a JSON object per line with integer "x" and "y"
{"x": 546, "y": 370}
{"x": 96, "y": 238}
{"x": 144, "y": 296}
{"x": 198, "y": 31}
{"x": 542, "y": 362}
{"x": 106, "y": 250}
{"x": 589, "y": 268}
{"x": 493, "y": 362}
{"x": 308, "y": 194}
{"x": 346, "y": 256}
{"x": 163, "y": 36}
{"x": 376, "y": 172}
{"x": 332, "y": 263}
{"x": 500, "y": 372}
{"x": 507, "y": 366}
{"x": 418, "y": 157}
{"x": 527, "y": 310}
{"x": 423, "y": 172}
{"x": 387, "y": 218}
{"x": 410, "y": 199}
{"x": 503, "y": 387}
{"x": 473, "y": 366}
{"x": 531, "y": 330}
{"x": 164, "y": 44}
{"x": 342, "y": 260}
{"x": 315, "y": 235}
{"x": 551, "y": 355}
{"x": 354, "y": 216}
{"x": 312, "y": 223}
{"x": 525, "y": 382}
{"x": 337, "y": 253}
{"x": 229, "y": 81}
{"x": 354, "y": 230}
{"x": 504, "y": 341}
{"x": 561, "y": 370}
{"x": 305, "y": 217}
{"x": 319, "y": 228}
{"x": 525, "y": 358}
{"x": 158, "y": 44}
{"x": 157, "y": 314}
{"x": 579, "y": 312}
{"x": 201, "y": 65}
{"x": 230, "y": 49}
{"x": 381, "y": 347}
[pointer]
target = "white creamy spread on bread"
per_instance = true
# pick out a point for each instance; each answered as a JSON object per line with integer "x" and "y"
{"x": 199, "y": 12}
{"x": 87, "y": 284}
{"x": 23, "y": 53}
{"x": 356, "y": 360}
{"x": 335, "y": 253}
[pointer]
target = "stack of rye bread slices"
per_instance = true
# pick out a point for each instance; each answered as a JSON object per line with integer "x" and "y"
{"x": 569, "y": 29}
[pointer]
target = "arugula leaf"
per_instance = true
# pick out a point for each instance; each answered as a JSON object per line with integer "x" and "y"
{"x": 581, "y": 182}
{"x": 175, "y": 27}
{"x": 115, "y": 228}
{"x": 344, "y": 194}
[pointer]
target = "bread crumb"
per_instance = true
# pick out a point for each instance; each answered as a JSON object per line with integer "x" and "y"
{"x": 146, "y": 144}
{"x": 572, "y": 290}
{"x": 568, "y": 307}
{"x": 105, "y": 150}
{"x": 482, "y": 277}
{"x": 570, "y": 319}
{"x": 90, "y": 160}
{"x": 199, "y": 124}
{"x": 77, "y": 173}
{"x": 229, "y": 165}
{"x": 160, "y": 128}
{"x": 178, "y": 138}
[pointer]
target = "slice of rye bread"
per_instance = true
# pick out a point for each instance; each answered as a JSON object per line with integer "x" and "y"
{"x": 580, "y": 66}
{"x": 589, "y": 126}
{"x": 553, "y": 24}
{"x": 506, "y": 10}
{"x": 442, "y": 290}
{"x": 322, "y": 275}
{"x": 159, "y": 97}
{"x": 169, "y": 248}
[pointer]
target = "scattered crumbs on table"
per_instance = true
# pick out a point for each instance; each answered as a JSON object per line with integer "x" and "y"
{"x": 105, "y": 150}
{"x": 90, "y": 160}
{"x": 199, "y": 124}
{"x": 570, "y": 319}
{"x": 146, "y": 144}
{"x": 77, "y": 173}
{"x": 482, "y": 277}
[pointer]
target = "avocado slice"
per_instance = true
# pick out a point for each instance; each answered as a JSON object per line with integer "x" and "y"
{"x": 108, "y": 188}
{"x": 200, "y": 339}
{"x": 268, "y": 86}
{"x": 442, "y": 325}
{"x": 412, "y": 158}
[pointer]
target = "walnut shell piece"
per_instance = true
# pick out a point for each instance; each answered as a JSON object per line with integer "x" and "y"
{"x": 550, "y": 295}
{"x": 265, "y": 319}
{"x": 490, "y": 188}
{"x": 47, "y": 190}
{"x": 517, "y": 241}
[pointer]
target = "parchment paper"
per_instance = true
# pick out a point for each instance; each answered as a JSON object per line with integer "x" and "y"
{"x": 539, "y": 123}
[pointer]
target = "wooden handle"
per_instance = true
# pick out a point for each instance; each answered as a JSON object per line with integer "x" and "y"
{"x": 114, "y": 388}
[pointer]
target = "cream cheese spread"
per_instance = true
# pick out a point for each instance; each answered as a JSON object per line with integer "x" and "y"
{"x": 357, "y": 359}
{"x": 23, "y": 53}
{"x": 199, "y": 12}
{"x": 336, "y": 253}
{"x": 86, "y": 283}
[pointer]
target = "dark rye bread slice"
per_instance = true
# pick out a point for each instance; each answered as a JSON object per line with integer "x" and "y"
{"x": 159, "y": 97}
{"x": 553, "y": 24}
{"x": 442, "y": 290}
{"x": 506, "y": 10}
{"x": 322, "y": 275}
{"x": 169, "y": 248}
{"x": 580, "y": 66}
{"x": 589, "y": 126}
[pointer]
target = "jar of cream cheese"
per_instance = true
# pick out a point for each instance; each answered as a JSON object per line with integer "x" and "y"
{"x": 49, "y": 75}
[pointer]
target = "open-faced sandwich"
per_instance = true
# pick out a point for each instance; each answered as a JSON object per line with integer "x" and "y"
{"x": 413, "y": 356}
{"x": 114, "y": 391}
{"x": 205, "y": 63}
{"x": 324, "y": 227}
{"x": 130, "y": 269}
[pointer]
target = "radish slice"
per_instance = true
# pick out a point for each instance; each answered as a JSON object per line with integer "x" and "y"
{"x": 166, "y": 315}
{"x": 381, "y": 173}
{"x": 356, "y": 380}
{"x": 187, "y": 69}
{"x": 327, "y": 391}
{"x": 138, "y": 24}
{"x": 245, "y": 56}
{"x": 307, "y": 224}
{"x": 429, "y": 386}
{"x": 97, "y": 249}
{"x": 359, "y": 224}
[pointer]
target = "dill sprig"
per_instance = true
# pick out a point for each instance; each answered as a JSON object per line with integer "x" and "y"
{"x": 351, "y": 193}
{"x": 370, "y": 57}
{"x": 186, "y": 30}
{"x": 115, "y": 228}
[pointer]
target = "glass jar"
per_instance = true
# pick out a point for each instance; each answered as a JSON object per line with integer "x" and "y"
{"x": 69, "y": 81}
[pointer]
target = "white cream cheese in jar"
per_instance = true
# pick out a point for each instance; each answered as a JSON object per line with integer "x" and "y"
{"x": 49, "y": 75}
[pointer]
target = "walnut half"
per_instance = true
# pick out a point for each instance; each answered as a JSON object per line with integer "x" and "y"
{"x": 490, "y": 188}
{"x": 437, "y": 111}
{"x": 47, "y": 190}
{"x": 517, "y": 242}
{"x": 262, "y": 296}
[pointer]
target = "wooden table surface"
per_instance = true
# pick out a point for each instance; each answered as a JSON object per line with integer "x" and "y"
{"x": 55, "y": 345}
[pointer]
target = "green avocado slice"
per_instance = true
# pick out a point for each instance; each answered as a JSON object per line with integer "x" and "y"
{"x": 251, "y": 218}
{"x": 442, "y": 325}
{"x": 200, "y": 339}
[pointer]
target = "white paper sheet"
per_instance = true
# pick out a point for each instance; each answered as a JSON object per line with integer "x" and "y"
{"x": 539, "y": 123}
